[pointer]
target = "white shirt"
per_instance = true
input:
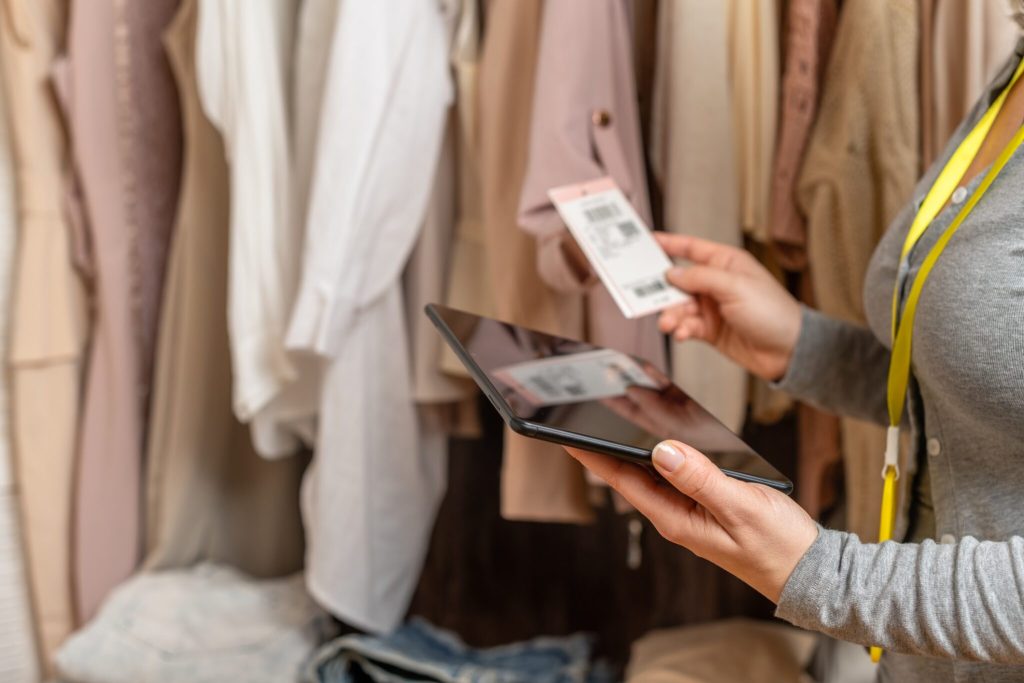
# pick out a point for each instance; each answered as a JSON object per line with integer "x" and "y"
{"x": 243, "y": 62}
{"x": 370, "y": 495}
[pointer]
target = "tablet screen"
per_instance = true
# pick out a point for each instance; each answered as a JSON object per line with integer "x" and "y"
{"x": 583, "y": 389}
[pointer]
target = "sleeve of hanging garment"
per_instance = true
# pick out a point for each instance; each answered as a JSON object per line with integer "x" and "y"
{"x": 381, "y": 127}
{"x": 962, "y": 600}
{"x": 839, "y": 367}
{"x": 584, "y": 106}
{"x": 241, "y": 84}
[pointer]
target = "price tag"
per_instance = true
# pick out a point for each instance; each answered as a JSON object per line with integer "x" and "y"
{"x": 619, "y": 246}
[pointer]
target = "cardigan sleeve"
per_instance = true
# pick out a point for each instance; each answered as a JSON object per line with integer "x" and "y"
{"x": 839, "y": 367}
{"x": 962, "y": 600}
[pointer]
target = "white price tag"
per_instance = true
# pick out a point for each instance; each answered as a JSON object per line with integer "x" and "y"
{"x": 574, "y": 378}
{"x": 619, "y": 246}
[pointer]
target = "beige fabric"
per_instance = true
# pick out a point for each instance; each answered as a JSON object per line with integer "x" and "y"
{"x": 209, "y": 496}
{"x": 692, "y": 153}
{"x": 926, "y": 79}
{"x": 538, "y": 481}
{"x": 470, "y": 287}
{"x": 970, "y": 41}
{"x": 48, "y": 314}
{"x": 732, "y": 651}
{"x": 754, "y": 51}
{"x": 19, "y": 654}
{"x": 860, "y": 169}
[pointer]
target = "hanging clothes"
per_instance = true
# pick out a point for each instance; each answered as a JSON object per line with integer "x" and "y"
{"x": 692, "y": 153}
{"x": 244, "y": 65}
{"x": 753, "y": 45}
{"x": 538, "y": 482}
{"x": 970, "y": 41}
{"x": 451, "y": 401}
{"x": 370, "y": 495}
{"x": 810, "y": 29}
{"x": 584, "y": 125}
{"x": 126, "y": 136}
{"x": 49, "y": 320}
{"x": 209, "y": 496}
{"x": 860, "y": 168}
{"x": 19, "y": 659}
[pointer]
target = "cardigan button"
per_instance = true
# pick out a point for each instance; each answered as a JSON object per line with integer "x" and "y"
{"x": 934, "y": 447}
{"x": 602, "y": 118}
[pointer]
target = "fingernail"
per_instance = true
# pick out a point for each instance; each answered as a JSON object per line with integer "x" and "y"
{"x": 667, "y": 456}
{"x": 675, "y": 272}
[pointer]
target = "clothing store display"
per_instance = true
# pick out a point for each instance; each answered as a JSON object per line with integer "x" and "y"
{"x": 692, "y": 153}
{"x": 969, "y": 42}
{"x": 229, "y": 418}
{"x": 19, "y": 659}
{"x": 370, "y": 495}
{"x": 859, "y": 169}
{"x": 126, "y": 136}
{"x": 209, "y": 496}
{"x": 732, "y": 651}
{"x": 418, "y": 651}
{"x": 207, "y": 624}
{"x": 244, "y": 66}
{"x": 810, "y": 29}
{"x": 968, "y": 381}
{"x": 48, "y": 324}
{"x": 753, "y": 45}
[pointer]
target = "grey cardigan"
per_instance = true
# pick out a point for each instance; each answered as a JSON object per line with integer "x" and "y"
{"x": 953, "y": 609}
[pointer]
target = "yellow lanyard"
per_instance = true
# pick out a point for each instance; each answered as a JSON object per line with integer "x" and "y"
{"x": 903, "y": 325}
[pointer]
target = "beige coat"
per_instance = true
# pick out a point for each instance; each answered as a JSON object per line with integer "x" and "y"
{"x": 48, "y": 313}
{"x": 860, "y": 169}
{"x": 209, "y": 496}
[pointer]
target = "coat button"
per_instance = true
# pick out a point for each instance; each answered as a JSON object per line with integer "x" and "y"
{"x": 947, "y": 539}
{"x": 934, "y": 447}
{"x": 601, "y": 118}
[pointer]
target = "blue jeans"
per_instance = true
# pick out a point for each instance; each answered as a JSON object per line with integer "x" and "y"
{"x": 419, "y": 651}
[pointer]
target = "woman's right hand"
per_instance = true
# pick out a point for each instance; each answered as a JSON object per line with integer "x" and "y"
{"x": 738, "y": 306}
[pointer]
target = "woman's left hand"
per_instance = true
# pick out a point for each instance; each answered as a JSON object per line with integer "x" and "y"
{"x": 752, "y": 531}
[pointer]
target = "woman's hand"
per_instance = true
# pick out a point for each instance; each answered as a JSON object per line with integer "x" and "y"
{"x": 752, "y": 531}
{"x": 738, "y": 307}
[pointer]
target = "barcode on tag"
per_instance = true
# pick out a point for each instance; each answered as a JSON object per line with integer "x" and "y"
{"x": 628, "y": 229}
{"x": 649, "y": 289}
{"x": 601, "y": 213}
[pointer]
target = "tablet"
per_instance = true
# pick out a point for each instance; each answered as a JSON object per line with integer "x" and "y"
{"x": 577, "y": 394}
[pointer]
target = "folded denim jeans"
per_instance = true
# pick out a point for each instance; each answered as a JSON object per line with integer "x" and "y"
{"x": 419, "y": 651}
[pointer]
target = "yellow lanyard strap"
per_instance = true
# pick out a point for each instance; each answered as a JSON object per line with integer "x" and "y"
{"x": 903, "y": 325}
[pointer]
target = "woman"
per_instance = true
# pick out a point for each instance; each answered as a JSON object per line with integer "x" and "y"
{"x": 943, "y": 611}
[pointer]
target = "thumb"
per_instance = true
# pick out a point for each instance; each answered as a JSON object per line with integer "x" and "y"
{"x": 695, "y": 476}
{"x": 714, "y": 282}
